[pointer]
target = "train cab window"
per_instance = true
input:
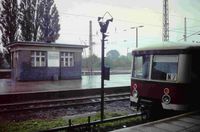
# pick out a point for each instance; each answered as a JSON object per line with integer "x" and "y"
{"x": 141, "y": 67}
{"x": 165, "y": 67}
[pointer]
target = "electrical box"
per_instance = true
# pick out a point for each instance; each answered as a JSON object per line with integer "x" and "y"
{"x": 106, "y": 73}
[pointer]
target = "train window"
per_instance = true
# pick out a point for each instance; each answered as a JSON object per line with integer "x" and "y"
{"x": 141, "y": 67}
{"x": 165, "y": 67}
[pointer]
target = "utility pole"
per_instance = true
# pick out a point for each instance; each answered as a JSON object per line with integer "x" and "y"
{"x": 165, "y": 21}
{"x": 136, "y": 34}
{"x": 90, "y": 39}
{"x": 90, "y": 48}
{"x": 136, "y": 37}
{"x": 104, "y": 71}
{"x": 185, "y": 30}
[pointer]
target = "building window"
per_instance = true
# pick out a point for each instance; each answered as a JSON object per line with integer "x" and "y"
{"x": 67, "y": 59}
{"x": 38, "y": 58}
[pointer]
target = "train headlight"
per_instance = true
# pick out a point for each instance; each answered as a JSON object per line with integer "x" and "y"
{"x": 166, "y": 99}
{"x": 135, "y": 93}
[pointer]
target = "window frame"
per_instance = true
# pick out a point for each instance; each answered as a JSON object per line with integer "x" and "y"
{"x": 151, "y": 68}
{"x": 175, "y": 60}
{"x": 39, "y": 55}
{"x": 67, "y": 59}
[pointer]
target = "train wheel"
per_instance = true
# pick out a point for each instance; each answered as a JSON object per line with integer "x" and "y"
{"x": 145, "y": 114}
{"x": 151, "y": 111}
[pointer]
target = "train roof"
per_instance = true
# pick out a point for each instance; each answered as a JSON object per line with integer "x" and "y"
{"x": 167, "y": 48}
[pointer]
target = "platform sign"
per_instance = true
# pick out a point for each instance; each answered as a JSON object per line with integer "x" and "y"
{"x": 53, "y": 59}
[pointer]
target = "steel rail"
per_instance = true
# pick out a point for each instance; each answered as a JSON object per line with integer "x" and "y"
{"x": 60, "y": 103}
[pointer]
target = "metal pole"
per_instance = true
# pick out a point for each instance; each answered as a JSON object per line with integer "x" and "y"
{"x": 136, "y": 37}
{"x": 90, "y": 48}
{"x": 102, "y": 77}
{"x": 185, "y": 30}
{"x": 90, "y": 39}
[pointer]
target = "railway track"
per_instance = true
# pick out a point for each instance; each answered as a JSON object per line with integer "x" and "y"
{"x": 60, "y": 103}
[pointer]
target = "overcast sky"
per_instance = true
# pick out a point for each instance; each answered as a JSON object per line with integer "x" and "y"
{"x": 76, "y": 14}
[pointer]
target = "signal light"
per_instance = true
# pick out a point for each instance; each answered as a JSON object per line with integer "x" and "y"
{"x": 166, "y": 91}
{"x": 135, "y": 86}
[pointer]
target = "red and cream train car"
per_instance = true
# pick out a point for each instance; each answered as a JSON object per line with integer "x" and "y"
{"x": 166, "y": 76}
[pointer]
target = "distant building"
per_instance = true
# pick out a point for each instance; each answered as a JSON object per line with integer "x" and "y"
{"x": 33, "y": 61}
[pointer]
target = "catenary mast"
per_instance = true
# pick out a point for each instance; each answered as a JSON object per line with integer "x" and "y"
{"x": 165, "y": 36}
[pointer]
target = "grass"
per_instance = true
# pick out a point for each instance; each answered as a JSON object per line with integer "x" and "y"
{"x": 31, "y": 125}
{"x": 36, "y": 125}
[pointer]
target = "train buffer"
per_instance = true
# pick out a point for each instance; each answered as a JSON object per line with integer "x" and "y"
{"x": 188, "y": 122}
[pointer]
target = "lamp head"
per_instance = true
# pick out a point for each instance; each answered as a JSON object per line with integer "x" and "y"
{"x": 111, "y": 19}
{"x": 100, "y": 18}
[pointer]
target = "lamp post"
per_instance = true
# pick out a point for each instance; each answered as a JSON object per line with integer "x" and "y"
{"x": 136, "y": 29}
{"x": 104, "y": 75}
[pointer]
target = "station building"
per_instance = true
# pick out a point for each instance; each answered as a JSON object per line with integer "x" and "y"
{"x": 36, "y": 61}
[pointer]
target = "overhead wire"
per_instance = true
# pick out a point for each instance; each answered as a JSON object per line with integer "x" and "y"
{"x": 190, "y": 35}
{"x": 136, "y": 22}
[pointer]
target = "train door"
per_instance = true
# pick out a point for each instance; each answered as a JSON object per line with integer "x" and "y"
{"x": 195, "y": 78}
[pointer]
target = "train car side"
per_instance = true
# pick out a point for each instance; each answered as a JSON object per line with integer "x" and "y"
{"x": 165, "y": 77}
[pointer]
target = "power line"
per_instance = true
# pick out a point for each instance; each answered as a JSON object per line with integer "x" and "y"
{"x": 189, "y": 35}
{"x": 79, "y": 15}
{"x": 181, "y": 30}
{"x": 117, "y": 19}
{"x": 172, "y": 14}
{"x": 122, "y": 20}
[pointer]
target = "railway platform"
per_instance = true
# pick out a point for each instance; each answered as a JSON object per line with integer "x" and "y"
{"x": 20, "y": 92}
{"x": 8, "y": 86}
{"x": 189, "y": 122}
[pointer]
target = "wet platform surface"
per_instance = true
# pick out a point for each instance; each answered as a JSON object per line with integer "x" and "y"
{"x": 184, "y": 123}
{"x": 8, "y": 86}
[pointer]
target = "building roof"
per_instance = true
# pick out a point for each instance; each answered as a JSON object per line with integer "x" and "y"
{"x": 45, "y": 44}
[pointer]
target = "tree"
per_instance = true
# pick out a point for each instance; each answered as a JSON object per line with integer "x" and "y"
{"x": 50, "y": 21}
{"x": 39, "y": 20}
{"x": 122, "y": 62}
{"x": 8, "y": 23}
{"x": 39, "y": 11}
{"x": 108, "y": 62}
{"x": 113, "y": 55}
{"x": 3, "y": 61}
{"x": 26, "y": 20}
{"x": 91, "y": 61}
